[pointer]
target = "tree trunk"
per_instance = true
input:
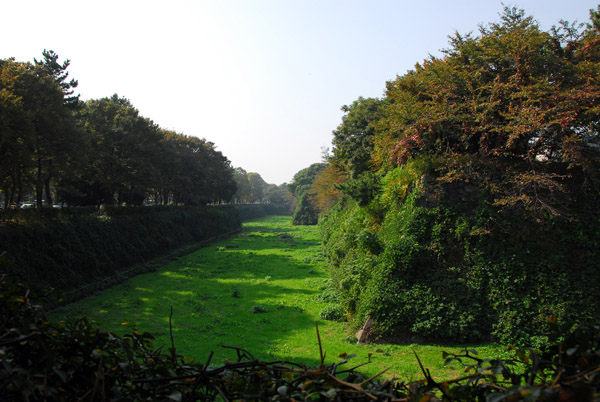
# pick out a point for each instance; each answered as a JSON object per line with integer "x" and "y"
{"x": 48, "y": 193}
{"x": 13, "y": 189}
{"x": 6, "y": 191}
{"x": 19, "y": 189}
{"x": 47, "y": 185}
{"x": 39, "y": 185}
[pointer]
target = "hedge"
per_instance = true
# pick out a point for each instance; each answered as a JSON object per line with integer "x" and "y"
{"x": 74, "y": 248}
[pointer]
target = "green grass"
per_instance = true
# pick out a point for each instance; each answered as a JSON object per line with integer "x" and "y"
{"x": 258, "y": 291}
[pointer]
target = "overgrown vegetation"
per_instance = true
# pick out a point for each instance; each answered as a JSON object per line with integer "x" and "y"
{"x": 476, "y": 216}
{"x": 448, "y": 276}
{"x": 305, "y": 213}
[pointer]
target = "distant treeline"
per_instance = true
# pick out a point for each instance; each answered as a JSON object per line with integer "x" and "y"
{"x": 251, "y": 188}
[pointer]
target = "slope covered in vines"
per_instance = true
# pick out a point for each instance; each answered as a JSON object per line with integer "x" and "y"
{"x": 467, "y": 198}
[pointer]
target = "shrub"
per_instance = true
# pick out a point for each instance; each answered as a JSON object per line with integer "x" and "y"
{"x": 332, "y": 312}
{"x": 258, "y": 310}
{"x": 306, "y": 213}
{"x": 329, "y": 295}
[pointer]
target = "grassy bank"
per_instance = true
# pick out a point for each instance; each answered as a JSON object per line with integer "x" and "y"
{"x": 259, "y": 291}
{"x": 82, "y": 250}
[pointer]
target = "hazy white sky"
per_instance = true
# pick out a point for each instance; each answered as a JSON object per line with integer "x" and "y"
{"x": 262, "y": 79}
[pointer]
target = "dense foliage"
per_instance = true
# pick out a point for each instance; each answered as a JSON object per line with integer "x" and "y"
{"x": 41, "y": 360}
{"x": 477, "y": 215}
{"x": 353, "y": 139}
{"x": 514, "y": 111}
{"x": 55, "y": 148}
{"x": 305, "y": 213}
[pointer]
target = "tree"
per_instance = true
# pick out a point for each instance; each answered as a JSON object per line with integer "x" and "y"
{"x": 278, "y": 194}
{"x": 57, "y": 137}
{"x": 353, "y": 138}
{"x": 242, "y": 195}
{"x": 257, "y": 187}
{"x": 325, "y": 187}
{"x": 15, "y": 130}
{"x": 131, "y": 160}
{"x": 123, "y": 145}
{"x": 52, "y": 67}
{"x": 353, "y": 142}
{"x": 95, "y": 152}
{"x": 514, "y": 111}
{"x": 304, "y": 178}
{"x": 38, "y": 122}
{"x": 197, "y": 173}
{"x": 306, "y": 212}
{"x": 220, "y": 174}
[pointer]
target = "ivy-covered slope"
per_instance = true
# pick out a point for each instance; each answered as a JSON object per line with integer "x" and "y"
{"x": 477, "y": 215}
{"x": 444, "y": 264}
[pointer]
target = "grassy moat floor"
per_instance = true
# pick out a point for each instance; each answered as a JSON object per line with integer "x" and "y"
{"x": 258, "y": 291}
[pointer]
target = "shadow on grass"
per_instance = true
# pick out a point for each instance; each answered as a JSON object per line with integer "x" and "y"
{"x": 273, "y": 242}
{"x": 249, "y": 229}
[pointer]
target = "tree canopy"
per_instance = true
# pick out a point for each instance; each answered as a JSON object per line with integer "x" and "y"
{"x": 353, "y": 138}
{"x": 252, "y": 189}
{"x": 37, "y": 131}
{"x": 514, "y": 109}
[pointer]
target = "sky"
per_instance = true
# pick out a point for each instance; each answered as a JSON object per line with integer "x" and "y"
{"x": 264, "y": 80}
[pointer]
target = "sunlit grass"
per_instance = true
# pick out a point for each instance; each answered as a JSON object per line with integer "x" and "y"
{"x": 256, "y": 291}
